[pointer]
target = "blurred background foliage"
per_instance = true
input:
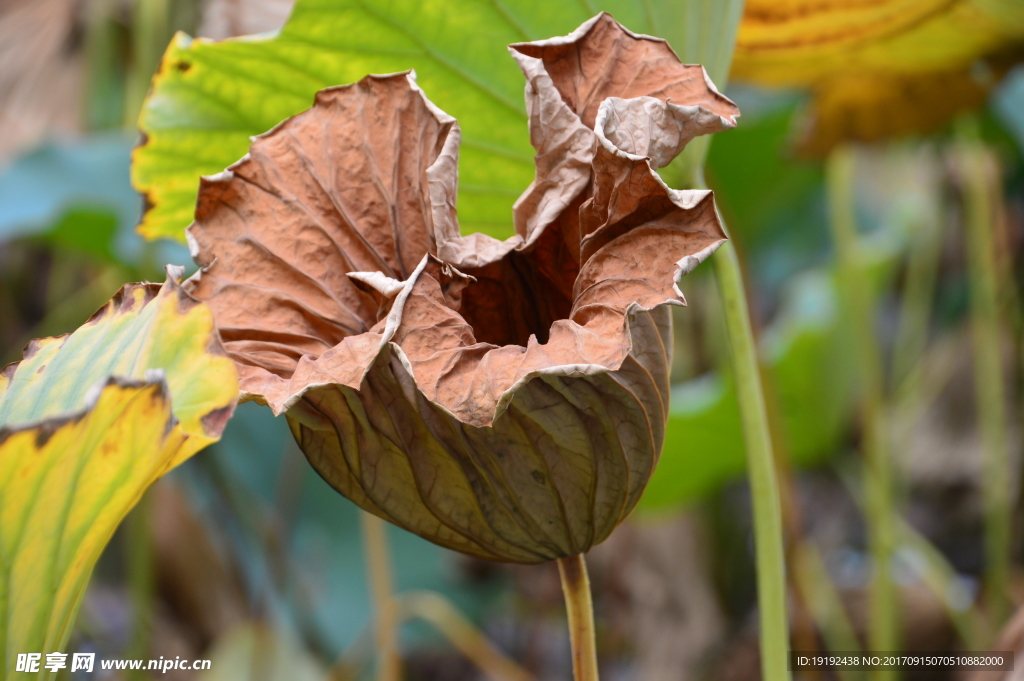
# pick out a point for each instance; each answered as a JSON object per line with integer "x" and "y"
{"x": 246, "y": 553}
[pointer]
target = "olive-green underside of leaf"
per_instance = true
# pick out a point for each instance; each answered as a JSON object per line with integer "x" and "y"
{"x": 208, "y": 97}
{"x": 65, "y": 485}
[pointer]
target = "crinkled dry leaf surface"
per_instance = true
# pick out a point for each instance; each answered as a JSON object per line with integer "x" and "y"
{"x": 506, "y": 399}
{"x": 88, "y": 422}
{"x": 880, "y": 68}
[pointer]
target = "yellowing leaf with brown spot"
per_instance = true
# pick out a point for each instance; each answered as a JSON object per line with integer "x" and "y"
{"x": 88, "y": 422}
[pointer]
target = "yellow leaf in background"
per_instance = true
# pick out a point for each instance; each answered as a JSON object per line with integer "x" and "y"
{"x": 879, "y": 68}
{"x": 88, "y": 422}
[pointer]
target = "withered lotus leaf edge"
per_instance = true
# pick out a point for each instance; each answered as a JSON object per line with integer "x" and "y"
{"x": 506, "y": 399}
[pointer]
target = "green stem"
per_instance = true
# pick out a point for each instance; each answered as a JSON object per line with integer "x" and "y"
{"x": 764, "y": 486}
{"x": 855, "y": 288}
{"x": 580, "y": 610}
{"x": 378, "y": 567}
{"x": 941, "y": 577}
{"x": 979, "y": 181}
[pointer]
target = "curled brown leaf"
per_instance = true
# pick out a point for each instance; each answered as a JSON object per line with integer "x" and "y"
{"x": 505, "y": 399}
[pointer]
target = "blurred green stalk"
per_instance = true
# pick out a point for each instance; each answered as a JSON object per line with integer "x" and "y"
{"x": 825, "y": 603}
{"x": 919, "y": 291}
{"x": 855, "y": 289}
{"x": 942, "y": 578}
{"x": 979, "y": 192}
{"x": 434, "y": 608}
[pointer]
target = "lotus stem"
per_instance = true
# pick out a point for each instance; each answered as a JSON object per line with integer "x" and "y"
{"x": 378, "y": 567}
{"x": 580, "y": 610}
{"x": 761, "y": 470}
{"x": 883, "y": 620}
{"x": 101, "y": 60}
{"x": 979, "y": 190}
{"x": 916, "y": 305}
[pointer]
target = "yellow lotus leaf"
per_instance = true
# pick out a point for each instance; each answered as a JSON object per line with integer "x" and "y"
{"x": 88, "y": 422}
{"x": 879, "y": 68}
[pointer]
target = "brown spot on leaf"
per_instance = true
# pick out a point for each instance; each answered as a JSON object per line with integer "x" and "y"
{"x": 47, "y": 429}
{"x": 32, "y": 348}
{"x": 185, "y": 301}
{"x": 147, "y": 200}
{"x": 124, "y": 300}
{"x": 8, "y": 371}
{"x": 216, "y": 420}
